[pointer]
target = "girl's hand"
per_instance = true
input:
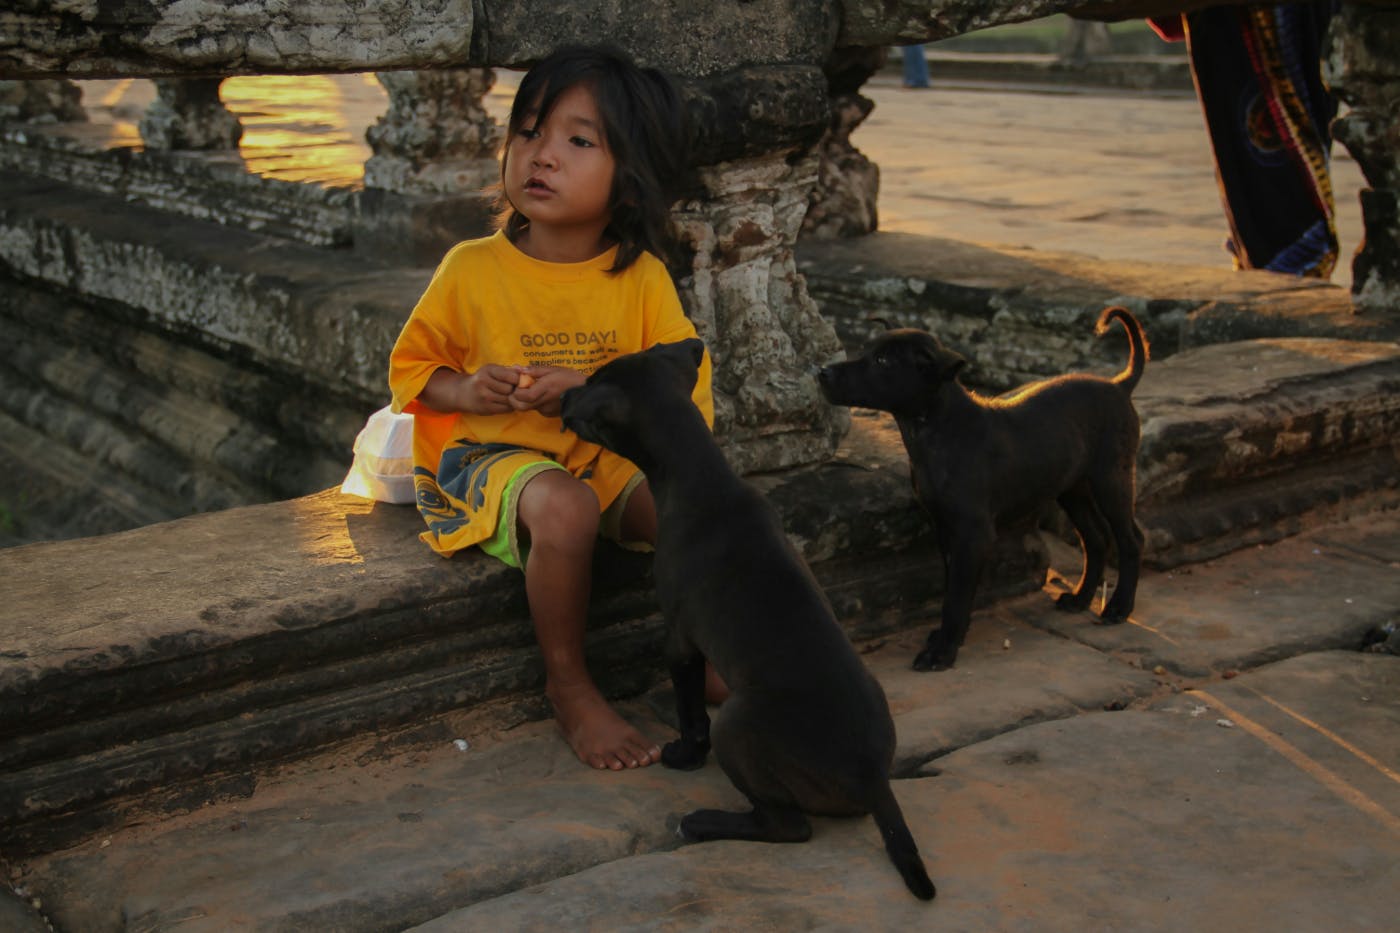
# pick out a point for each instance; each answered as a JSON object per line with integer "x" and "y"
{"x": 488, "y": 390}
{"x": 539, "y": 388}
{"x": 484, "y": 392}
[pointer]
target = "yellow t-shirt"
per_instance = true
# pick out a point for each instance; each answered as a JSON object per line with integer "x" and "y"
{"x": 490, "y": 303}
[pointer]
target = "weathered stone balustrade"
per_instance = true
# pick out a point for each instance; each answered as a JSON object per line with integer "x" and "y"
{"x": 1363, "y": 68}
{"x": 753, "y": 72}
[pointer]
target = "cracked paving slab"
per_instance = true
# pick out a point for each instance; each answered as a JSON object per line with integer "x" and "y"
{"x": 1034, "y": 808}
{"x": 1313, "y": 592}
{"x": 1008, "y": 674}
{"x": 1134, "y": 820}
{"x": 387, "y": 843}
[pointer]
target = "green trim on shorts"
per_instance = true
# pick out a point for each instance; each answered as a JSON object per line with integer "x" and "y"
{"x": 504, "y": 544}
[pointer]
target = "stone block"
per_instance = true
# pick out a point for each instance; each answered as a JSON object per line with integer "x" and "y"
{"x": 212, "y": 186}
{"x": 207, "y": 647}
{"x": 1244, "y": 443}
{"x": 418, "y": 229}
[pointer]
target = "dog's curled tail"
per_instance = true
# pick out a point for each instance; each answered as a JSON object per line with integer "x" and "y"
{"x": 899, "y": 843}
{"x": 1138, "y": 350}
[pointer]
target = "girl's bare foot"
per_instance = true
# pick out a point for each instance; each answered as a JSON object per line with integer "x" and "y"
{"x": 597, "y": 734}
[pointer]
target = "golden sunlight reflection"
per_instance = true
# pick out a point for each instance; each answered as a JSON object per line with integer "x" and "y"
{"x": 321, "y": 526}
{"x": 112, "y": 96}
{"x": 114, "y": 111}
{"x": 300, "y": 128}
{"x": 295, "y": 127}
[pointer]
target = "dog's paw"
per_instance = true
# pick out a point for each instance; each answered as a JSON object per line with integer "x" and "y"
{"x": 693, "y": 826}
{"x": 930, "y": 659}
{"x": 685, "y": 828}
{"x": 1071, "y": 602}
{"x": 1111, "y": 616}
{"x": 685, "y": 754}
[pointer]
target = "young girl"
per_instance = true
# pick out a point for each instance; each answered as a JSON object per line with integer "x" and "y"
{"x": 510, "y": 322}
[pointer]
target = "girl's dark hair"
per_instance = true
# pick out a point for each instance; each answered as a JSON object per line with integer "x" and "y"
{"x": 644, "y": 122}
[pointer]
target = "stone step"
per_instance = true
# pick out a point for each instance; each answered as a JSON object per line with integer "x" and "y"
{"x": 158, "y": 421}
{"x": 1268, "y": 404}
{"x": 229, "y": 640}
{"x": 214, "y": 373}
{"x": 134, "y": 435}
{"x": 1010, "y": 769}
{"x": 1019, "y": 314}
{"x": 324, "y": 318}
{"x": 215, "y": 186}
{"x": 1252, "y": 441}
{"x": 196, "y": 651}
{"x": 41, "y": 483}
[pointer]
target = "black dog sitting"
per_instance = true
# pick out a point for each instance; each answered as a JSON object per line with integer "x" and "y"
{"x": 978, "y": 463}
{"x": 806, "y": 728}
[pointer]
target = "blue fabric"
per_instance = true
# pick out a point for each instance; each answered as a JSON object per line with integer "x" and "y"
{"x": 915, "y": 66}
{"x": 1258, "y": 72}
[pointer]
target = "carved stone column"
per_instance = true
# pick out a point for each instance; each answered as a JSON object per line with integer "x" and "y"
{"x": 751, "y": 306}
{"x": 48, "y": 100}
{"x": 436, "y": 137}
{"x": 188, "y": 114}
{"x": 434, "y": 151}
{"x": 1085, "y": 40}
{"x": 1363, "y": 70}
{"x": 844, "y": 201}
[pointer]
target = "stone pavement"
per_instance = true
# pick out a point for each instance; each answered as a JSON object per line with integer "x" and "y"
{"x": 1227, "y": 760}
{"x": 1090, "y": 170}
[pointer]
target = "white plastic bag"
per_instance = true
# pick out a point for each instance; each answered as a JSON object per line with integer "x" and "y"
{"x": 383, "y": 465}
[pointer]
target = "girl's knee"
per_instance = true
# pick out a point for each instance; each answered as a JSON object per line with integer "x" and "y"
{"x": 639, "y": 515}
{"x": 557, "y": 509}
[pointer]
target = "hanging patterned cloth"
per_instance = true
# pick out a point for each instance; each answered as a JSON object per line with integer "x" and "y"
{"x": 1259, "y": 79}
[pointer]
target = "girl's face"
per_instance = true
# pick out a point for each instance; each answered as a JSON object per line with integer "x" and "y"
{"x": 559, "y": 173}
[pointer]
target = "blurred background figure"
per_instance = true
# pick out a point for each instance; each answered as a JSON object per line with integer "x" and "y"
{"x": 915, "y": 66}
{"x": 1085, "y": 39}
{"x": 1258, "y": 75}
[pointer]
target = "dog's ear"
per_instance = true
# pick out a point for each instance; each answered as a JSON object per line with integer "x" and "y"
{"x": 686, "y": 355}
{"x": 953, "y": 363}
{"x": 696, "y": 348}
{"x": 940, "y": 362}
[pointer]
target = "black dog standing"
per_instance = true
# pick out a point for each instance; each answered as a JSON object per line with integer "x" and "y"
{"x": 806, "y": 728}
{"x": 978, "y": 463}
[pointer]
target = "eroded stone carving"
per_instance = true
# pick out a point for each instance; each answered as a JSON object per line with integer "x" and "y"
{"x": 51, "y": 100}
{"x": 751, "y": 306}
{"x": 111, "y": 38}
{"x": 436, "y": 136}
{"x": 899, "y": 22}
{"x": 188, "y": 114}
{"x": 1362, "y": 68}
{"x": 844, "y": 201}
